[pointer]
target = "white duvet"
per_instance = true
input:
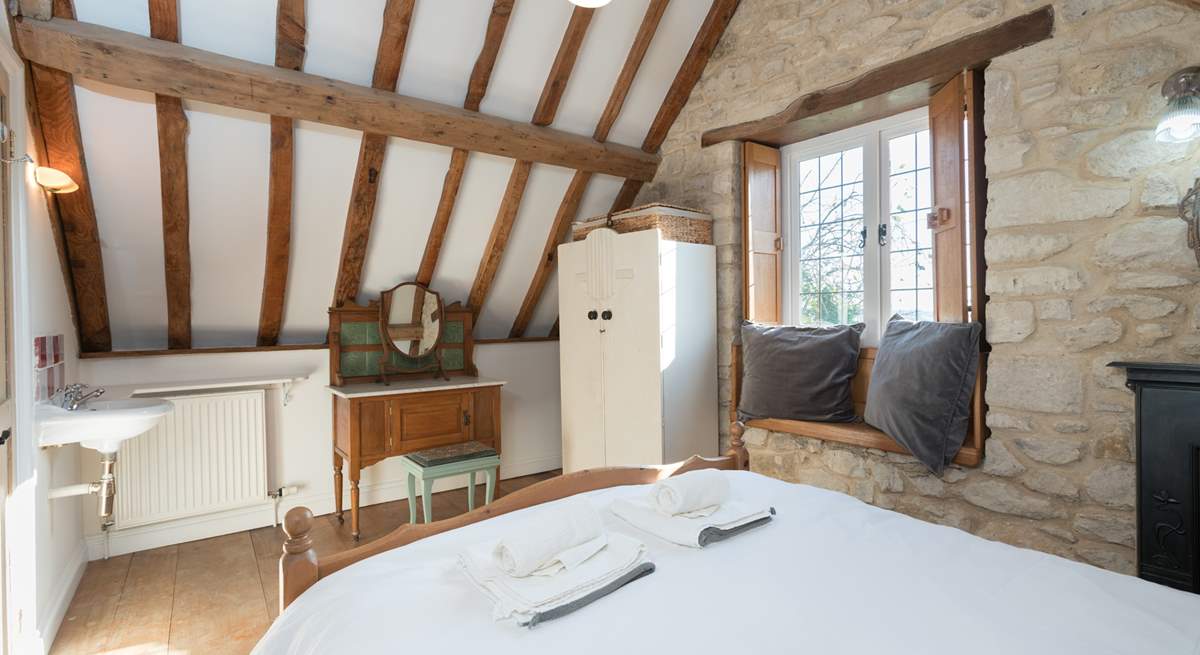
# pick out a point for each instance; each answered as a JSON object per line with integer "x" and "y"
{"x": 829, "y": 574}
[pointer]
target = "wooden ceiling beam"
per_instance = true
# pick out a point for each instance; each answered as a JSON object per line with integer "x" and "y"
{"x": 477, "y": 86}
{"x": 547, "y": 106}
{"x": 397, "y": 17}
{"x": 290, "y": 31}
{"x": 54, "y": 98}
{"x": 564, "y": 64}
{"x": 568, "y": 208}
{"x": 893, "y": 87}
{"x": 173, "y": 183}
{"x": 707, "y": 38}
{"x": 133, "y": 61}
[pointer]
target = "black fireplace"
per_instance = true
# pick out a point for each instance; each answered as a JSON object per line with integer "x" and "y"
{"x": 1168, "y": 463}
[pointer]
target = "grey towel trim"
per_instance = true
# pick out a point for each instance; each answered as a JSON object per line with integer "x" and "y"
{"x": 643, "y": 569}
{"x": 713, "y": 535}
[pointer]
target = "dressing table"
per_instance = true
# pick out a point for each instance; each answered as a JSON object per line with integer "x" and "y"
{"x": 403, "y": 379}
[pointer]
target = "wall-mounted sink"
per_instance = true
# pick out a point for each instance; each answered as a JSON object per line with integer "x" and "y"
{"x": 99, "y": 424}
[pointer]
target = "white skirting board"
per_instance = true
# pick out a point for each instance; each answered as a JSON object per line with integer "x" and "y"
{"x": 51, "y": 617}
{"x": 178, "y": 531}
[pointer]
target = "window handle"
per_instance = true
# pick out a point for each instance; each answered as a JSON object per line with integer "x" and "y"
{"x": 862, "y": 242}
{"x": 883, "y": 234}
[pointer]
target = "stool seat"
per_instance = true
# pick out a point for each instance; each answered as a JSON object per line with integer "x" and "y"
{"x": 430, "y": 464}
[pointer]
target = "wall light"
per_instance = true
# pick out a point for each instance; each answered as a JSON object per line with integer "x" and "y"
{"x": 1181, "y": 121}
{"x": 50, "y": 179}
{"x": 590, "y": 4}
{"x": 54, "y": 180}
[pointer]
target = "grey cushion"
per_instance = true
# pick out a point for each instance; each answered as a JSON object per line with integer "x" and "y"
{"x": 800, "y": 373}
{"x": 920, "y": 392}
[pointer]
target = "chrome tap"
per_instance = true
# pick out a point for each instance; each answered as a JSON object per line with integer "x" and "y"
{"x": 72, "y": 396}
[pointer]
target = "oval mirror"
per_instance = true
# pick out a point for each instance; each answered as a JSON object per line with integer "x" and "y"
{"x": 413, "y": 323}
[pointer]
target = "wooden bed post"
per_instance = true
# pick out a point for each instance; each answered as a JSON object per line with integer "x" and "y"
{"x": 737, "y": 447}
{"x": 298, "y": 565}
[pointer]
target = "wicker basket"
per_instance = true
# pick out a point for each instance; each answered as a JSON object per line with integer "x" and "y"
{"x": 675, "y": 223}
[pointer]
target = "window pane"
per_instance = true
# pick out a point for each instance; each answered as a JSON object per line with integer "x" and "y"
{"x": 902, "y": 232}
{"x": 853, "y": 196}
{"x": 810, "y": 276}
{"x": 852, "y": 237}
{"x": 831, "y": 170}
{"x": 902, "y": 153}
{"x": 925, "y": 308}
{"x": 809, "y": 248}
{"x": 854, "y": 307}
{"x": 903, "y": 194}
{"x": 924, "y": 190}
{"x": 809, "y": 176}
{"x": 830, "y": 313}
{"x": 904, "y": 270}
{"x": 829, "y": 237}
{"x": 831, "y": 204}
{"x": 904, "y": 303}
{"x": 923, "y": 149}
{"x": 852, "y": 165}
{"x": 809, "y": 309}
{"x": 925, "y": 269}
{"x": 810, "y": 208}
{"x": 831, "y": 275}
{"x": 852, "y": 270}
{"x": 924, "y": 234}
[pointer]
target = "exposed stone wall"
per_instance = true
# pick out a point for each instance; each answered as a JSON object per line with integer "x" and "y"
{"x": 1087, "y": 261}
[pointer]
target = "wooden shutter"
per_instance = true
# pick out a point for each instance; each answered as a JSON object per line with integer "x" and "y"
{"x": 762, "y": 235}
{"x": 946, "y": 112}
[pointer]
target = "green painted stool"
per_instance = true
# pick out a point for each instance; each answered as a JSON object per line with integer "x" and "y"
{"x": 429, "y": 465}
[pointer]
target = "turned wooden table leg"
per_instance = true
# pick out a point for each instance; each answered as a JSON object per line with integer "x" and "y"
{"x": 337, "y": 486}
{"x": 354, "y": 503}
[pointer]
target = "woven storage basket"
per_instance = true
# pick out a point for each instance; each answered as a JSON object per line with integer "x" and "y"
{"x": 675, "y": 223}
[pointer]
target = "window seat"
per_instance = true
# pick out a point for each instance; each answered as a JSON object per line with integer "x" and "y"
{"x": 854, "y": 434}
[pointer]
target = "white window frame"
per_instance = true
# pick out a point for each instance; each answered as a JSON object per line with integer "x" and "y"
{"x": 872, "y": 138}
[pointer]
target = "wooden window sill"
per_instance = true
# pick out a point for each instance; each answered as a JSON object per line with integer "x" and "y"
{"x": 854, "y": 434}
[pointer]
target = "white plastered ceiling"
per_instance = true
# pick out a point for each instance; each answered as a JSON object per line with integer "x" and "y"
{"x": 228, "y": 160}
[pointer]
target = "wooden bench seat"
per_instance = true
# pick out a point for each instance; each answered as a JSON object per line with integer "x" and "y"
{"x": 854, "y": 434}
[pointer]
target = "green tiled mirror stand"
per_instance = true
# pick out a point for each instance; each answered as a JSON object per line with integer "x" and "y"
{"x": 426, "y": 475}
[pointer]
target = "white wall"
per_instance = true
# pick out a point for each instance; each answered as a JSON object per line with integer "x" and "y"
{"x": 58, "y": 534}
{"x": 299, "y": 443}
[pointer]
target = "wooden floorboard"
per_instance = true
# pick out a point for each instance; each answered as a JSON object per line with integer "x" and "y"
{"x": 216, "y": 595}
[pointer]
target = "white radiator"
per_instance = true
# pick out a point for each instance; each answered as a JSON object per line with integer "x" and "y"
{"x": 206, "y": 456}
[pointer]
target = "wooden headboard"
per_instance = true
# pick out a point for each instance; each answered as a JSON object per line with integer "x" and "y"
{"x": 855, "y": 434}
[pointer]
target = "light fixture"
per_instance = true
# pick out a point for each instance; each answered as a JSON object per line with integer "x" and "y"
{"x": 590, "y": 4}
{"x": 50, "y": 179}
{"x": 1181, "y": 121}
{"x": 54, "y": 180}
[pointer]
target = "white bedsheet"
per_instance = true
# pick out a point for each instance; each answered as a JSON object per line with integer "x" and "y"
{"x": 829, "y": 574}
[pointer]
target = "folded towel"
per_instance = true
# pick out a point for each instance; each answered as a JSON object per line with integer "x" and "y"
{"x": 539, "y": 542}
{"x": 732, "y": 518}
{"x": 698, "y": 493}
{"x": 531, "y": 599}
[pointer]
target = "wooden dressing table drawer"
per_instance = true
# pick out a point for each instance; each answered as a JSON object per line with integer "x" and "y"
{"x": 437, "y": 420}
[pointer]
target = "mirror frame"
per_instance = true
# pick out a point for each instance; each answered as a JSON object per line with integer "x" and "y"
{"x": 387, "y": 347}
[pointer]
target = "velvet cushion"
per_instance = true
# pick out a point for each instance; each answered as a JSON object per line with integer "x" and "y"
{"x": 920, "y": 391}
{"x": 800, "y": 373}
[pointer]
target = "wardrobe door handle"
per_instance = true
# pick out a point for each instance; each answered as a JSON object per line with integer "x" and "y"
{"x": 592, "y": 315}
{"x": 607, "y": 315}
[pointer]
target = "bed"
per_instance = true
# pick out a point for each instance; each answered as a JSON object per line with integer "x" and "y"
{"x": 830, "y": 574}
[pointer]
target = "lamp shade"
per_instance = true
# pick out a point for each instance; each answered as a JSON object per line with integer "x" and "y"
{"x": 590, "y": 4}
{"x": 1181, "y": 121}
{"x": 54, "y": 180}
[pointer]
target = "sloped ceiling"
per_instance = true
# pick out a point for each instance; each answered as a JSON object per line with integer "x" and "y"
{"x": 228, "y": 160}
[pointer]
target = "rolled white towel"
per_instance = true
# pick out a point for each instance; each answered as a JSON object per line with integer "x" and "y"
{"x": 698, "y": 493}
{"x": 539, "y": 541}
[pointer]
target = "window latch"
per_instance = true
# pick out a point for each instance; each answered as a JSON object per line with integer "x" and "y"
{"x": 883, "y": 234}
{"x": 862, "y": 243}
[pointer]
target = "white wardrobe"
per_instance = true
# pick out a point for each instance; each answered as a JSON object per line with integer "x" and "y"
{"x": 638, "y": 349}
